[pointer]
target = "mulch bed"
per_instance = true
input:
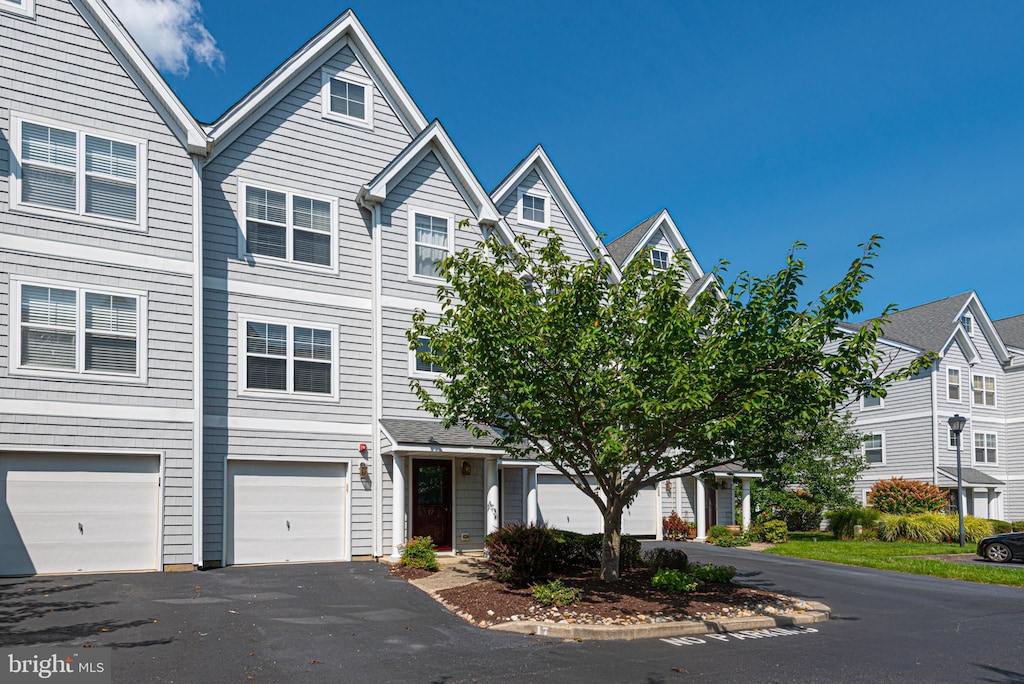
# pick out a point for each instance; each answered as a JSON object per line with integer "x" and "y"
{"x": 632, "y": 600}
{"x": 408, "y": 574}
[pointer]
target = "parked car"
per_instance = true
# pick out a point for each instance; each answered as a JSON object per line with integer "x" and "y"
{"x": 1002, "y": 548}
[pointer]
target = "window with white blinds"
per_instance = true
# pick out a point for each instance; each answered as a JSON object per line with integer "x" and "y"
{"x": 290, "y": 358}
{"x": 431, "y": 242}
{"x": 289, "y": 226}
{"x": 78, "y": 172}
{"x": 77, "y": 330}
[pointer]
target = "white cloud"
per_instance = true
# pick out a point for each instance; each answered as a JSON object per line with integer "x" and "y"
{"x": 171, "y": 32}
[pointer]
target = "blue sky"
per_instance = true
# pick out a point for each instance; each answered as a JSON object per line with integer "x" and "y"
{"x": 755, "y": 124}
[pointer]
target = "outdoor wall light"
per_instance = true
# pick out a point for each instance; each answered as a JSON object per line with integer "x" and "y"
{"x": 364, "y": 472}
{"x": 467, "y": 469}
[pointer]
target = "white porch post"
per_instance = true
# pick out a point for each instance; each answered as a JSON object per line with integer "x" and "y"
{"x": 968, "y": 494}
{"x": 699, "y": 514}
{"x": 992, "y": 512}
{"x": 745, "y": 514}
{"x": 531, "y": 496}
{"x": 491, "y": 487}
{"x": 397, "y": 505}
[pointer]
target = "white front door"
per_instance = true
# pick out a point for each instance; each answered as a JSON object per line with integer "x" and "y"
{"x": 285, "y": 512}
{"x": 78, "y": 513}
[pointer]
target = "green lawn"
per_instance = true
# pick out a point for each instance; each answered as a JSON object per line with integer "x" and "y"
{"x": 897, "y": 556}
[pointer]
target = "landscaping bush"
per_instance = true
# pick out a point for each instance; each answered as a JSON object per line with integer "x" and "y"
{"x": 554, "y": 593}
{"x": 931, "y": 528}
{"x": 798, "y": 509}
{"x": 1000, "y": 526}
{"x": 719, "y": 535}
{"x": 774, "y": 532}
{"x": 901, "y": 496}
{"x": 520, "y": 553}
{"x": 660, "y": 557}
{"x": 673, "y": 581}
{"x": 419, "y": 553}
{"x": 1017, "y": 526}
{"x": 712, "y": 573}
{"x": 842, "y": 521}
{"x": 675, "y": 528}
{"x": 576, "y": 550}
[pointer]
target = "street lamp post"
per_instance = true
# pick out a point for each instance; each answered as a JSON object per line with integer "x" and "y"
{"x": 956, "y": 425}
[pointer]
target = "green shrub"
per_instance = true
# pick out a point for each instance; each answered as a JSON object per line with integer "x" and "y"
{"x": 842, "y": 521}
{"x": 712, "y": 573}
{"x": 554, "y": 593}
{"x": 932, "y": 528}
{"x": 719, "y": 535}
{"x": 673, "y": 581}
{"x": 1017, "y": 526}
{"x": 718, "y": 531}
{"x": 1000, "y": 526}
{"x": 661, "y": 557}
{"x": 906, "y": 496}
{"x": 419, "y": 553}
{"x": 798, "y": 509}
{"x": 675, "y": 528}
{"x": 521, "y": 554}
{"x": 774, "y": 532}
{"x": 576, "y": 550}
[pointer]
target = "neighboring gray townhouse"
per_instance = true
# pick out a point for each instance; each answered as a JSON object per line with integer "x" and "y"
{"x": 99, "y": 311}
{"x": 978, "y": 375}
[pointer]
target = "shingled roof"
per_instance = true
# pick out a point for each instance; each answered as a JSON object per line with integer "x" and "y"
{"x": 1011, "y": 330}
{"x": 409, "y": 432}
{"x": 926, "y": 327}
{"x": 623, "y": 246}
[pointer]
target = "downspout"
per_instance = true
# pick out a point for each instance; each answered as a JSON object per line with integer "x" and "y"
{"x": 198, "y": 298}
{"x": 936, "y": 426}
{"x": 377, "y": 403}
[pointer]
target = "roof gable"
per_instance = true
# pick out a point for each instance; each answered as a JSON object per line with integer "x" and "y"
{"x": 626, "y": 247}
{"x": 346, "y": 30}
{"x": 539, "y": 161}
{"x": 126, "y": 51}
{"x": 1011, "y": 330}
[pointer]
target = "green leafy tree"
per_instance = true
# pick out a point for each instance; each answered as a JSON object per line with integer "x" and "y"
{"x": 816, "y": 475}
{"x": 629, "y": 380}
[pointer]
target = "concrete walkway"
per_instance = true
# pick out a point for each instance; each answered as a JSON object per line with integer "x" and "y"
{"x": 456, "y": 571}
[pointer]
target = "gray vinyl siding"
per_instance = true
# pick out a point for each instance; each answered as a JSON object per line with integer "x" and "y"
{"x": 469, "y": 507}
{"x": 398, "y": 399}
{"x": 572, "y": 243}
{"x": 56, "y": 68}
{"x": 512, "y": 495}
{"x": 679, "y": 500}
{"x": 1013, "y": 452}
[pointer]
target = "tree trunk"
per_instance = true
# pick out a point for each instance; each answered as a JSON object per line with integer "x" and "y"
{"x": 611, "y": 543}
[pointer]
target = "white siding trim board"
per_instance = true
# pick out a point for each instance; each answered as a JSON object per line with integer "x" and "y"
{"x": 286, "y": 294}
{"x": 322, "y": 427}
{"x": 99, "y": 411}
{"x": 100, "y": 255}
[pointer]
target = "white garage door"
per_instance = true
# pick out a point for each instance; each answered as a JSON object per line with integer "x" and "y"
{"x": 285, "y": 512}
{"x": 78, "y": 513}
{"x": 565, "y": 507}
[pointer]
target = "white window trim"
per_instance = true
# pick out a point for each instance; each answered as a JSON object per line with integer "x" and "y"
{"x": 864, "y": 448}
{"x": 967, "y": 322}
{"x": 288, "y": 261}
{"x": 881, "y": 404}
{"x": 241, "y": 351}
{"x": 995, "y": 391}
{"x": 79, "y": 373}
{"x": 960, "y": 378}
{"x": 547, "y": 208}
{"x": 668, "y": 257}
{"x": 24, "y": 7}
{"x": 79, "y": 215}
{"x": 974, "y": 460}
{"x": 326, "y": 75}
{"x": 415, "y": 372}
{"x": 411, "y": 255}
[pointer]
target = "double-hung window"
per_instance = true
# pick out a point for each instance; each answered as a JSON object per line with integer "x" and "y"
{"x": 953, "y": 384}
{"x": 984, "y": 390}
{"x": 289, "y": 358}
{"x": 430, "y": 242}
{"x": 287, "y": 225}
{"x": 534, "y": 210}
{"x": 874, "y": 448}
{"x": 67, "y": 329}
{"x": 984, "y": 447}
{"x": 347, "y": 97}
{"x": 421, "y": 364}
{"x": 63, "y": 169}
{"x": 659, "y": 258}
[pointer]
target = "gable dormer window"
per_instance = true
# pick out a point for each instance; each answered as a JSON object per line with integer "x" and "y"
{"x": 346, "y": 97}
{"x": 534, "y": 210}
{"x": 659, "y": 258}
{"x": 968, "y": 323}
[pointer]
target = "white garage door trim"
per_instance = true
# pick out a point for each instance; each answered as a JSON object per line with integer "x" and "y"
{"x": 564, "y": 506}
{"x": 74, "y": 475}
{"x": 233, "y": 463}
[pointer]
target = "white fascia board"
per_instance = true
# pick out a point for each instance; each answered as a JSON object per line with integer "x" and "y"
{"x": 673, "y": 235}
{"x": 126, "y": 51}
{"x": 882, "y": 340}
{"x": 973, "y": 354}
{"x": 539, "y": 160}
{"x": 345, "y": 30}
{"x": 987, "y": 327}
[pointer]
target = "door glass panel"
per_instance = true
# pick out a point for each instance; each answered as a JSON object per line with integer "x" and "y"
{"x": 431, "y": 485}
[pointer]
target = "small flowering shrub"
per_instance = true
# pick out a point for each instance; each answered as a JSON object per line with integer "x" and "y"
{"x": 554, "y": 593}
{"x": 419, "y": 553}
{"x": 675, "y": 528}
{"x": 673, "y": 581}
{"x": 521, "y": 554}
{"x": 906, "y": 496}
{"x": 712, "y": 573}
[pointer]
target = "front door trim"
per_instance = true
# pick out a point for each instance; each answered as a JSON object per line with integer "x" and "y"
{"x": 450, "y": 502}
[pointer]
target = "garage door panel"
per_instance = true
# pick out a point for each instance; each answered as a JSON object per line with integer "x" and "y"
{"x": 78, "y": 513}
{"x": 286, "y": 512}
{"x": 565, "y": 507}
